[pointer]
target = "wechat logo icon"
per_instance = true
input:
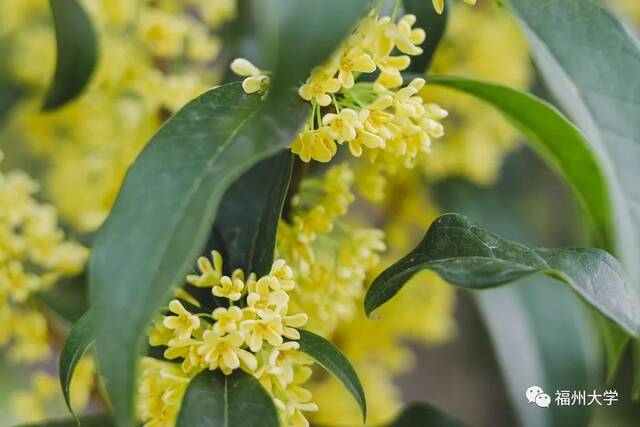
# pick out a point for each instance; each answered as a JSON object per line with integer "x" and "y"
{"x": 535, "y": 394}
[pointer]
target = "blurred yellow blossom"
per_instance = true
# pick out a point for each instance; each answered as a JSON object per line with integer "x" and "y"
{"x": 477, "y": 137}
{"x": 33, "y": 256}
{"x": 27, "y": 406}
{"x": 154, "y": 57}
{"x": 30, "y": 405}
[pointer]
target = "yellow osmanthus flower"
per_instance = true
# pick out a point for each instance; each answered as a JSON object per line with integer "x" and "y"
{"x": 255, "y": 81}
{"x": 393, "y": 126}
{"x": 258, "y": 335}
{"x": 183, "y": 323}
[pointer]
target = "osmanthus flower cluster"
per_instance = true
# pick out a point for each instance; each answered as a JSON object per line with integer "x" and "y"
{"x": 254, "y": 330}
{"x": 389, "y": 123}
{"x": 330, "y": 257}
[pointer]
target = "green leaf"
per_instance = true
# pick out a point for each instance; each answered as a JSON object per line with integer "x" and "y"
{"x": 213, "y": 399}
{"x": 555, "y": 139}
{"x": 595, "y": 79}
{"x": 434, "y": 24}
{"x": 298, "y": 35}
{"x": 465, "y": 255}
{"x": 76, "y": 52}
{"x": 423, "y": 415}
{"x": 163, "y": 213}
{"x": 91, "y": 421}
{"x": 541, "y": 333}
{"x": 250, "y": 211}
{"x": 334, "y": 362}
{"x": 78, "y": 342}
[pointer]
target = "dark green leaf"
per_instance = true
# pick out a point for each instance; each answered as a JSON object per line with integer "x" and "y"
{"x": 332, "y": 359}
{"x": 541, "y": 333}
{"x": 76, "y": 52}
{"x": 595, "y": 79}
{"x": 465, "y": 255}
{"x": 298, "y": 35}
{"x": 555, "y": 139}
{"x": 424, "y": 415}
{"x": 217, "y": 400}
{"x": 434, "y": 24}
{"x": 165, "y": 209}
{"x": 249, "y": 213}
{"x": 92, "y": 421}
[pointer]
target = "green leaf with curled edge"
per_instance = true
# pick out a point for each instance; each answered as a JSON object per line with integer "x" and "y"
{"x": 78, "y": 342}
{"x": 163, "y": 213}
{"x": 466, "y": 255}
{"x": 76, "y": 52}
{"x": 213, "y": 399}
{"x": 424, "y": 415}
{"x": 555, "y": 139}
{"x": 333, "y": 361}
